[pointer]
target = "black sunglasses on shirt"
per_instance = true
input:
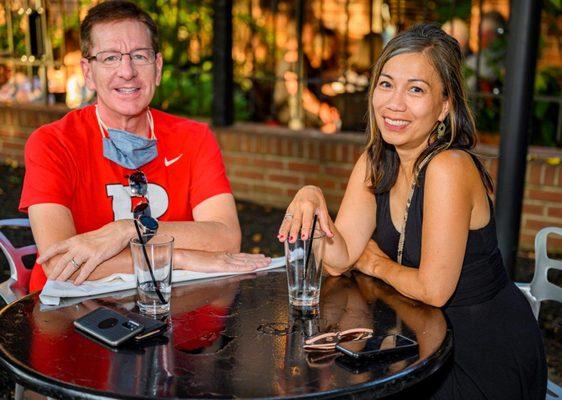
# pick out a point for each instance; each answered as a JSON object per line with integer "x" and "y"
{"x": 145, "y": 225}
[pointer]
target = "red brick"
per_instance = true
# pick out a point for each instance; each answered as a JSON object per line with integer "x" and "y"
{"x": 12, "y": 145}
{"x": 315, "y": 151}
{"x": 535, "y": 173}
{"x": 555, "y": 212}
{"x": 285, "y": 179}
{"x": 273, "y": 164}
{"x": 546, "y": 195}
{"x": 244, "y": 143}
{"x": 323, "y": 151}
{"x": 333, "y": 201}
{"x": 536, "y": 224}
{"x": 269, "y": 189}
{"x": 304, "y": 167}
{"x": 249, "y": 174}
{"x": 338, "y": 171}
{"x": 533, "y": 209}
{"x": 291, "y": 193}
{"x": 550, "y": 175}
{"x": 554, "y": 246}
{"x": 240, "y": 186}
{"x": 273, "y": 145}
{"x": 231, "y": 160}
{"x": 342, "y": 186}
{"x": 322, "y": 183}
{"x": 526, "y": 240}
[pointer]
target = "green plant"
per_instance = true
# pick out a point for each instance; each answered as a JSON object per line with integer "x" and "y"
{"x": 548, "y": 81}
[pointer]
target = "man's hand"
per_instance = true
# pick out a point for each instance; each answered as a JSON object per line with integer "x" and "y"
{"x": 88, "y": 250}
{"x": 219, "y": 261}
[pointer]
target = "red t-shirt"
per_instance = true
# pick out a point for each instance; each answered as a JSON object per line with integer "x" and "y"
{"x": 65, "y": 165}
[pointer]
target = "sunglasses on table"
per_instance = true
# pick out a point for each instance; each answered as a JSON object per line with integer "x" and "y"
{"x": 327, "y": 341}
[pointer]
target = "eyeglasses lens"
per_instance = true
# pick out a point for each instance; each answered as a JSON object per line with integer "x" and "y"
{"x": 138, "y": 184}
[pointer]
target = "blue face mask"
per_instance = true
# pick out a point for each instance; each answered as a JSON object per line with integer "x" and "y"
{"x": 127, "y": 149}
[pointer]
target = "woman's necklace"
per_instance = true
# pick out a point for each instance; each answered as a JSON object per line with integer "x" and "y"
{"x": 408, "y": 202}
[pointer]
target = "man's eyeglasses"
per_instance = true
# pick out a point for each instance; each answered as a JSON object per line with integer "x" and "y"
{"x": 138, "y": 57}
{"x": 327, "y": 341}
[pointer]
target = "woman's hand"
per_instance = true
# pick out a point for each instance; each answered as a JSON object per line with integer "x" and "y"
{"x": 219, "y": 261}
{"x": 371, "y": 261}
{"x": 308, "y": 201}
{"x": 86, "y": 251}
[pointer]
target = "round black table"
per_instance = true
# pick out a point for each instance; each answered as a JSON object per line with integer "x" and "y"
{"x": 230, "y": 337}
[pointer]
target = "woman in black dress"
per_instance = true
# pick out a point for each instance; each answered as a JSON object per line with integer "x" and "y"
{"x": 419, "y": 188}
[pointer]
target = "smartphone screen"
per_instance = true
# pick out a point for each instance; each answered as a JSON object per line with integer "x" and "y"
{"x": 376, "y": 345}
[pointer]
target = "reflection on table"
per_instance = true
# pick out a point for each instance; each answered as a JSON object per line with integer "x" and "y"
{"x": 230, "y": 337}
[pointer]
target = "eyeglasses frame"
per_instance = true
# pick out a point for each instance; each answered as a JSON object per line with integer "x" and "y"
{"x": 95, "y": 57}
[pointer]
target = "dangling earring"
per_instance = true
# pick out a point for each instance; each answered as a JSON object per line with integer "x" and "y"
{"x": 441, "y": 128}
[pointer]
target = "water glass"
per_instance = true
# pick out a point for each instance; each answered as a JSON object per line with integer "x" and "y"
{"x": 304, "y": 270}
{"x": 159, "y": 252}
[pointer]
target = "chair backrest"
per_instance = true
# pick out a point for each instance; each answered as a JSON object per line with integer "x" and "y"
{"x": 18, "y": 284}
{"x": 541, "y": 287}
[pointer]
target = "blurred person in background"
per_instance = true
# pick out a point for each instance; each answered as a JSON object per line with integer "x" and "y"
{"x": 320, "y": 64}
{"x": 458, "y": 29}
{"x": 488, "y": 61}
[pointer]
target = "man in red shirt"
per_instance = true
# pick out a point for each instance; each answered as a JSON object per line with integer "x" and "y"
{"x": 76, "y": 189}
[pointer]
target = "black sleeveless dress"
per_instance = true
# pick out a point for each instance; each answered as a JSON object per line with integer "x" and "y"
{"x": 498, "y": 349}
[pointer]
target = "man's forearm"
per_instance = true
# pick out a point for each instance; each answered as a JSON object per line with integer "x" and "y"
{"x": 203, "y": 235}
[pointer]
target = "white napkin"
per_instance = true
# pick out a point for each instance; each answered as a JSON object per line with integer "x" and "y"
{"x": 54, "y": 291}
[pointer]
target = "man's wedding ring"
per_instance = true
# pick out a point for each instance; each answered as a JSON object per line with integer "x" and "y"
{"x": 74, "y": 263}
{"x": 288, "y": 216}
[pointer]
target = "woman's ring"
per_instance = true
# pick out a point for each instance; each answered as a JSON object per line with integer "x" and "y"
{"x": 288, "y": 216}
{"x": 74, "y": 263}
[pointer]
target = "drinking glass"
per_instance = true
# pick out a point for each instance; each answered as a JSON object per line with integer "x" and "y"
{"x": 154, "y": 281}
{"x": 304, "y": 269}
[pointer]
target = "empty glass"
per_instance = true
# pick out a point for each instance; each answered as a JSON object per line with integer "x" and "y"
{"x": 154, "y": 283}
{"x": 304, "y": 270}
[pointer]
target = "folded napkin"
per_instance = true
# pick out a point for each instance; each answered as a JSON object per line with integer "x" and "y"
{"x": 54, "y": 291}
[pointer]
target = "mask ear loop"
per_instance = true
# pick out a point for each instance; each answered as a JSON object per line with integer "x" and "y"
{"x": 157, "y": 290}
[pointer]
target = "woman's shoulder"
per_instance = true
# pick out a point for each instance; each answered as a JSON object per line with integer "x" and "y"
{"x": 452, "y": 165}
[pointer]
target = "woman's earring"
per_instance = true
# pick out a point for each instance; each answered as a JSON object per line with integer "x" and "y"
{"x": 441, "y": 128}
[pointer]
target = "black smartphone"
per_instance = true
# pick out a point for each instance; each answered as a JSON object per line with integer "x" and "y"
{"x": 108, "y": 326}
{"x": 377, "y": 345}
{"x": 152, "y": 327}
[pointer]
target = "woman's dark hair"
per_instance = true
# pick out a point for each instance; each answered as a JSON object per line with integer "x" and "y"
{"x": 444, "y": 54}
{"x": 112, "y": 11}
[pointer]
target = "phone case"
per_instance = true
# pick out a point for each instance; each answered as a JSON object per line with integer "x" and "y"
{"x": 108, "y": 326}
{"x": 152, "y": 327}
{"x": 373, "y": 347}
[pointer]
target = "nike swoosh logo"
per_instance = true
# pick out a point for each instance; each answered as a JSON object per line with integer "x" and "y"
{"x": 167, "y": 162}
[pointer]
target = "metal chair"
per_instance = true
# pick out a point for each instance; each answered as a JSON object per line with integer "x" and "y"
{"x": 541, "y": 289}
{"x": 18, "y": 283}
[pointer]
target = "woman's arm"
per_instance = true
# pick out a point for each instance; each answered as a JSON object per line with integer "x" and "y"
{"x": 452, "y": 186}
{"x": 355, "y": 223}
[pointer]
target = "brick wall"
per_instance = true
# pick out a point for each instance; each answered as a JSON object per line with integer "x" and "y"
{"x": 18, "y": 121}
{"x": 267, "y": 165}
